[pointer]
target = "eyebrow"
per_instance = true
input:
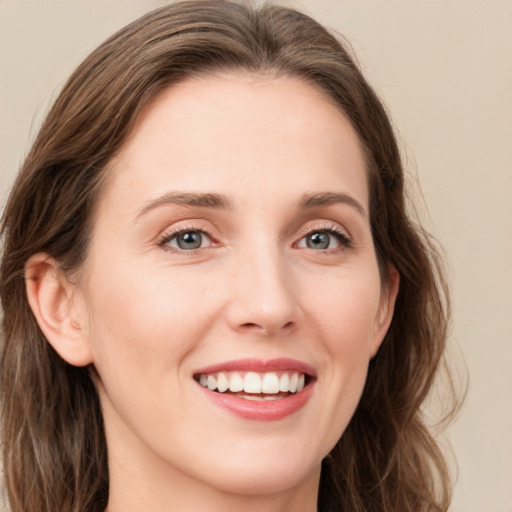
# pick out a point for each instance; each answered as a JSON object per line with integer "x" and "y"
{"x": 328, "y": 198}
{"x": 216, "y": 201}
{"x": 222, "y": 202}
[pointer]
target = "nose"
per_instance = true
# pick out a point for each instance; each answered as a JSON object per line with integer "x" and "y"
{"x": 264, "y": 298}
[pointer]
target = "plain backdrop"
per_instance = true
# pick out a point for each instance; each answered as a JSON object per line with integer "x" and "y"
{"x": 444, "y": 69}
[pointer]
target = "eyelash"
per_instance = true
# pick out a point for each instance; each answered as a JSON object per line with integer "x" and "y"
{"x": 170, "y": 235}
{"x": 332, "y": 230}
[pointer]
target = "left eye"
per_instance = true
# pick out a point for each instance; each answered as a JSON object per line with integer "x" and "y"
{"x": 322, "y": 240}
{"x": 188, "y": 240}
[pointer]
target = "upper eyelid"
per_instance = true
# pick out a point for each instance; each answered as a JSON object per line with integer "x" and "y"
{"x": 335, "y": 229}
{"x": 324, "y": 225}
{"x": 170, "y": 232}
{"x": 342, "y": 237}
{"x": 173, "y": 234}
{"x": 212, "y": 231}
{"x": 188, "y": 225}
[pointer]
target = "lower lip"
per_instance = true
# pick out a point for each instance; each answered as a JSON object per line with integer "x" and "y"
{"x": 264, "y": 410}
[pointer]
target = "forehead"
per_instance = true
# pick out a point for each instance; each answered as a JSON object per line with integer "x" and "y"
{"x": 240, "y": 131}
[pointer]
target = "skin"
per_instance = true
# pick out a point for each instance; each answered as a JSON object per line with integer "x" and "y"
{"x": 148, "y": 314}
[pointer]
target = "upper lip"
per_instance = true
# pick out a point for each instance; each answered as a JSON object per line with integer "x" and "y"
{"x": 260, "y": 366}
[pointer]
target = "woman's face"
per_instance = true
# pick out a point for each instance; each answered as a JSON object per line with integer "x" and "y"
{"x": 232, "y": 249}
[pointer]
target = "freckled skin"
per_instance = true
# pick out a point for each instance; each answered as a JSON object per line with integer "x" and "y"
{"x": 154, "y": 313}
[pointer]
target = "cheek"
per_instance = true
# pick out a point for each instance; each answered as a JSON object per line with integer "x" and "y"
{"x": 142, "y": 331}
{"x": 144, "y": 322}
{"x": 346, "y": 309}
{"x": 345, "y": 313}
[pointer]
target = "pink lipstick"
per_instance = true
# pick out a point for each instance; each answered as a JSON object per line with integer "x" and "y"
{"x": 256, "y": 389}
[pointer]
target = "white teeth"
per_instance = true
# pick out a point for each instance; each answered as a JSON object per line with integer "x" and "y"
{"x": 222, "y": 383}
{"x": 284, "y": 383}
{"x": 252, "y": 383}
{"x": 236, "y": 383}
{"x": 293, "y": 382}
{"x": 300, "y": 383}
{"x": 212, "y": 382}
{"x": 268, "y": 383}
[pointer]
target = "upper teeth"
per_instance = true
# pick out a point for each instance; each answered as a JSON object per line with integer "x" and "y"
{"x": 252, "y": 382}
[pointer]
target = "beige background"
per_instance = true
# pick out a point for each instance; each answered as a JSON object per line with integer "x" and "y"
{"x": 444, "y": 68}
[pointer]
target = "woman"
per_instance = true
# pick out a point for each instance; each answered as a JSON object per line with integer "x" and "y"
{"x": 213, "y": 296}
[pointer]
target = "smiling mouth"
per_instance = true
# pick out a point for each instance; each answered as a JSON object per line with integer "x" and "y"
{"x": 255, "y": 386}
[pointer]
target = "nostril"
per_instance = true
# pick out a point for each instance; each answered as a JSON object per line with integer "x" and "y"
{"x": 264, "y": 329}
{"x": 250, "y": 325}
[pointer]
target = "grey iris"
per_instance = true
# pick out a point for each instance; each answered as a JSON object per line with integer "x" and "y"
{"x": 189, "y": 240}
{"x": 318, "y": 240}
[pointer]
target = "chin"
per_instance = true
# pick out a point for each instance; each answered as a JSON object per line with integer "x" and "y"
{"x": 270, "y": 478}
{"x": 265, "y": 471}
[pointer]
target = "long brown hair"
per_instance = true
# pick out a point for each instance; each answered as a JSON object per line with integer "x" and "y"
{"x": 54, "y": 447}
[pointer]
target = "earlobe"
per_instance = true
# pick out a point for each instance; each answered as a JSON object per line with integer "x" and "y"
{"x": 53, "y": 301}
{"x": 386, "y": 309}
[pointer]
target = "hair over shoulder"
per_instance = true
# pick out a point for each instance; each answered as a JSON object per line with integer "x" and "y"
{"x": 53, "y": 442}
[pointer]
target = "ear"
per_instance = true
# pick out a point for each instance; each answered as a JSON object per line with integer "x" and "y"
{"x": 60, "y": 315}
{"x": 389, "y": 292}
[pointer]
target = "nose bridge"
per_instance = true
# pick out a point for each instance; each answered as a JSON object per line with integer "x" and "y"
{"x": 264, "y": 300}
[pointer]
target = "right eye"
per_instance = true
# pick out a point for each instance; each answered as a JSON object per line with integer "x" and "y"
{"x": 187, "y": 240}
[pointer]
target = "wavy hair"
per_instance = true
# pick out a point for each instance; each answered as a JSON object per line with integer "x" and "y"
{"x": 54, "y": 447}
